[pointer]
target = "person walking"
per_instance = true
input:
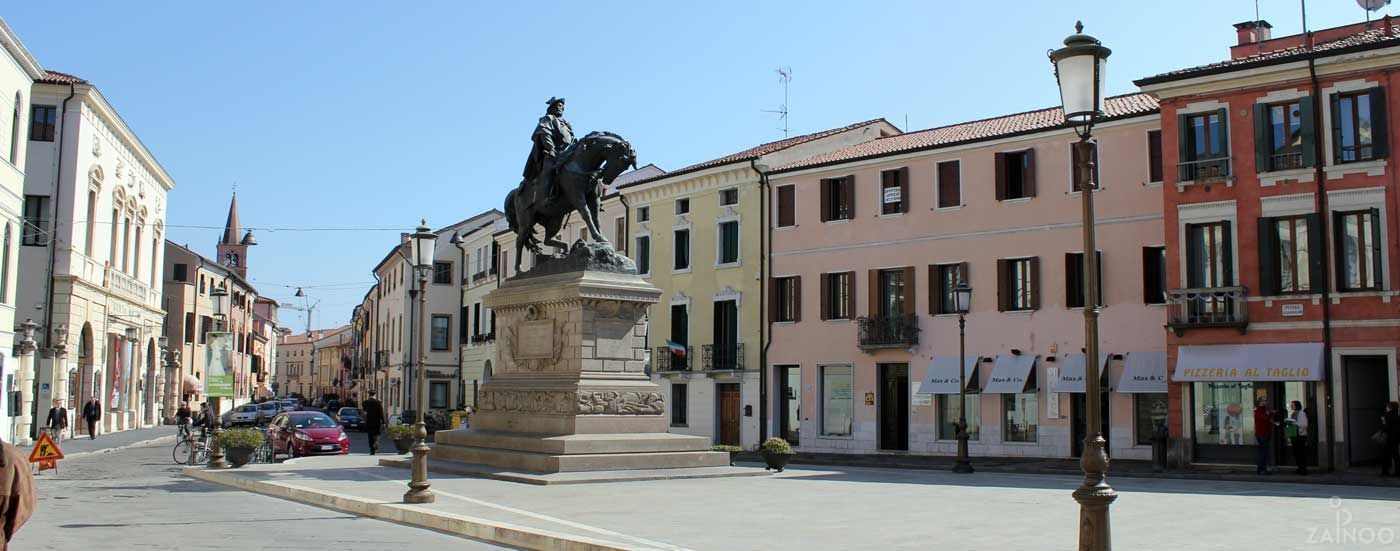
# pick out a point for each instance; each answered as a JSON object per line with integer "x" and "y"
{"x": 1263, "y": 436}
{"x": 17, "y": 495}
{"x": 1390, "y": 457}
{"x": 1297, "y": 431}
{"x": 58, "y": 420}
{"x": 92, "y": 413}
{"x": 373, "y": 413}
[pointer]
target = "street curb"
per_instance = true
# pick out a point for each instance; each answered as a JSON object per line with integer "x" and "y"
{"x": 151, "y": 442}
{"x": 478, "y": 528}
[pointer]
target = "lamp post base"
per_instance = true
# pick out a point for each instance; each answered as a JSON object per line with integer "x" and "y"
{"x": 418, "y": 491}
{"x": 1094, "y": 497}
{"x": 963, "y": 465}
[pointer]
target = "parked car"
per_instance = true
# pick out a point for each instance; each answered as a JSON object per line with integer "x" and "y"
{"x": 268, "y": 410}
{"x": 246, "y": 414}
{"x": 350, "y": 419}
{"x": 290, "y": 404}
{"x": 302, "y": 433}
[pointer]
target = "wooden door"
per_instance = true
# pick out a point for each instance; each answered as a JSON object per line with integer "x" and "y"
{"x": 729, "y": 414}
{"x": 894, "y": 407}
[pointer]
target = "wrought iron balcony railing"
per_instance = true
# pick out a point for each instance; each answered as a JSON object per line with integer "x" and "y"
{"x": 888, "y": 331}
{"x": 478, "y": 276}
{"x": 1203, "y": 170}
{"x": 1207, "y": 307}
{"x": 1285, "y": 161}
{"x": 672, "y": 360}
{"x": 722, "y": 357}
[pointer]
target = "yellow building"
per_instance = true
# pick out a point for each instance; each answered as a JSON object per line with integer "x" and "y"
{"x": 696, "y": 234}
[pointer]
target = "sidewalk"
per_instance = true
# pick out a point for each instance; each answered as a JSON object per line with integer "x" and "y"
{"x": 82, "y": 445}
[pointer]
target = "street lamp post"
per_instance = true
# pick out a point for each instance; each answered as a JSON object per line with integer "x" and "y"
{"x": 962, "y": 297}
{"x": 1079, "y": 70}
{"x": 129, "y": 380}
{"x": 163, "y": 343}
{"x": 423, "y": 243}
{"x": 216, "y": 452}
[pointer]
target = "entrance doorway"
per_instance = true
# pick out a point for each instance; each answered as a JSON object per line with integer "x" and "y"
{"x": 894, "y": 407}
{"x": 790, "y": 413}
{"x": 728, "y": 398}
{"x": 1367, "y": 385}
{"x": 1079, "y": 419}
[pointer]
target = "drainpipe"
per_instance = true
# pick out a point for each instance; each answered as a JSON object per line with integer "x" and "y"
{"x": 764, "y": 336}
{"x": 1321, "y": 194}
{"x": 461, "y": 308}
{"x": 53, "y": 253}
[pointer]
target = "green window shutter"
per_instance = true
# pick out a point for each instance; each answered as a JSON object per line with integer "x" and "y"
{"x": 1183, "y": 144}
{"x": 1268, "y": 257}
{"x": 1379, "y": 283}
{"x": 1317, "y": 261}
{"x": 1307, "y": 111}
{"x": 1336, "y": 129}
{"x": 1379, "y": 124}
{"x": 1222, "y": 132}
{"x": 1193, "y": 251}
{"x": 1262, "y": 142}
{"x": 1227, "y": 253}
{"x": 1339, "y": 256}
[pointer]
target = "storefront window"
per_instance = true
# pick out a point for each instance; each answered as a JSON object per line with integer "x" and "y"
{"x": 1149, "y": 410}
{"x": 948, "y": 415}
{"x": 1224, "y": 413}
{"x": 837, "y": 405}
{"x": 1021, "y": 415}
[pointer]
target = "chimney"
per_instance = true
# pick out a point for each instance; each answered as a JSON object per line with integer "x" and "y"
{"x": 1251, "y": 32}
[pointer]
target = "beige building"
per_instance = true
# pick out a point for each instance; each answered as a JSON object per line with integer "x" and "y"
{"x": 330, "y": 373}
{"x": 294, "y": 365}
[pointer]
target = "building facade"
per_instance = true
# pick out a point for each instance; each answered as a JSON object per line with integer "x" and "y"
{"x": 94, "y": 209}
{"x": 1280, "y": 235}
{"x": 190, "y": 281}
{"x": 295, "y": 359}
{"x": 870, "y": 240}
{"x": 17, "y": 377}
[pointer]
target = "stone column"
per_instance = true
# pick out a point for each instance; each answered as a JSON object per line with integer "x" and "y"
{"x": 24, "y": 381}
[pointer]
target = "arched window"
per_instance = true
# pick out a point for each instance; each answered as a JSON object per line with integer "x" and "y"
{"x": 5, "y": 266}
{"x": 14, "y": 131}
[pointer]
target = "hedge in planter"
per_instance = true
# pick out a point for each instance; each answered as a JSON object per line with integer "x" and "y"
{"x": 402, "y": 435}
{"x": 733, "y": 451}
{"x": 240, "y": 444}
{"x": 776, "y": 453}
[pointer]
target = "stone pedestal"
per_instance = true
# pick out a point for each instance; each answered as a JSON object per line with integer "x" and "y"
{"x": 568, "y": 391}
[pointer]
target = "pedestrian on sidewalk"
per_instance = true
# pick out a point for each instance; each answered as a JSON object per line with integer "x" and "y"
{"x": 58, "y": 420}
{"x": 17, "y": 496}
{"x": 1297, "y": 431}
{"x": 374, "y": 420}
{"x": 1263, "y": 435}
{"x": 1390, "y": 458}
{"x": 92, "y": 413}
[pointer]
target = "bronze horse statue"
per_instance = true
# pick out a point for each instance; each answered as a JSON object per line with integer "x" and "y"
{"x": 584, "y": 170}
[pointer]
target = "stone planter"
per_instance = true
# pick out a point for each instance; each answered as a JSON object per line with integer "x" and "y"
{"x": 403, "y": 445}
{"x": 239, "y": 457}
{"x": 776, "y": 461}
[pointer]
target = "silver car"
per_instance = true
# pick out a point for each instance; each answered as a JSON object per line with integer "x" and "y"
{"x": 246, "y": 414}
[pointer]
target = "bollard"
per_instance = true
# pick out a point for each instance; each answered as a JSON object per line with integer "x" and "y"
{"x": 1159, "y": 448}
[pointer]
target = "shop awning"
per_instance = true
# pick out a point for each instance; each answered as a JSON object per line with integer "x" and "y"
{"x": 1011, "y": 374}
{"x": 942, "y": 376}
{"x": 1072, "y": 371}
{"x": 1249, "y": 362}
{"x": 1143, "y": 372}
{"x": 192, "y": 384}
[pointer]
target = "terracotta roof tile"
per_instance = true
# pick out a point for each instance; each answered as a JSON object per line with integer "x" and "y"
{"x": 1368, "y": 39}
{"x": 756, "y": 151}
{"x": 985, "y": 129}
{"x": 55, "y": 77}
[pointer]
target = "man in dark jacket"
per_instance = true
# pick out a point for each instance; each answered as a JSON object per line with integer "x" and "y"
{"x": 92, "y": 413}
{"x": 58, "y": 419}
{"x": 1390, "y": 459}
{"x": 373, "y": 413}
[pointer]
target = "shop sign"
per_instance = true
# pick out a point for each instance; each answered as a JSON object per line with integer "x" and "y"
{"x": 1292, "y": 310}
{"x": 892, "y": 194}
{"x": 218, "y": 361}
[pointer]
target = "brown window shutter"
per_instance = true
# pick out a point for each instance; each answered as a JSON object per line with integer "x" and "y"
{"x": 1074, "y": 175}
{"x": 911, "y": 292}
{"x": 850, "y": 295}
{"x": 786, "y": 216}
{"x": 774, "y": 297}
{"x": 1000, "y": 161}
{"x": 1029, "y": 172}
{"x": 1035, "y": 283}
{"x": 850, "y": 196}
{"x": 826, "y": 200}
{"x": 826, "y": 296}
{"x": 873, "y": 293}
{"x": 964, "y": 275}
{"x": 904, "y": 195}
{"x": 1003, "y": 284}
{"x": 797, "y": 298}
{"x": 1074, "y": 269}
{"x": 935, "y": 293}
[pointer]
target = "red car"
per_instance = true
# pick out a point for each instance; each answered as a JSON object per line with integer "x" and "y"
{"x": 301, "y": 433}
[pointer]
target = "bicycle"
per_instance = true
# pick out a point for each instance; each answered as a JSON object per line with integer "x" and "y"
{"x": 264, "y": 452}
{"x": 191, "y": 450}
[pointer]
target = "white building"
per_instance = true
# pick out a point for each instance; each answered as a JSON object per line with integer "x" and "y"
{"x": 94, "y": 209}
{"x": 16, "y": 80}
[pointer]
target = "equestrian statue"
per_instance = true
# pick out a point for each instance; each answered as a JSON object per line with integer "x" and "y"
{"x": 563, "y": 176}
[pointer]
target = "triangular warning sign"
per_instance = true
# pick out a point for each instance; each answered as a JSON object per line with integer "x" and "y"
{"x": 45, "y": 450}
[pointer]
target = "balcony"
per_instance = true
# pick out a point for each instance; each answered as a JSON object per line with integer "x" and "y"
{"x": 1207, "y": 307}
{"x": 666, "y": 361}
{"x": 478, "y": 277}
{"x": 126, "y": 286}
{"x": 722, "y": 357}
{"x": 381, "y": 359}
{"x": 483, "y": 338}
{"x": 878, "y": 332}
{"x": 1203, "y": 170}
{"x": 1286, "y": 161}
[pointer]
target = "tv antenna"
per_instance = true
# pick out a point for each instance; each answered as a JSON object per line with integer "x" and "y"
{"x": 784, "y": 77}
{"x": 1370, "y": 6}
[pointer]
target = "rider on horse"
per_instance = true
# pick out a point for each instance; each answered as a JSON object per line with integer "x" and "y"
{"x": 552, "y": 135}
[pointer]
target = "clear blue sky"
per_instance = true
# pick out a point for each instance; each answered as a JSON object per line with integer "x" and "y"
{"x": 374, "y": 114}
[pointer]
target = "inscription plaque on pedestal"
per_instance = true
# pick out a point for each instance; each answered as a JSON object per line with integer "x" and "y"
{"x": 536, "y": 340}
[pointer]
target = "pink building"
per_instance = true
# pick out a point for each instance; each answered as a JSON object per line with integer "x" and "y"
{"x": 872, "y": 238}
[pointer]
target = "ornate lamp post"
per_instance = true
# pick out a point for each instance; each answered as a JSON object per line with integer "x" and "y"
{"x": 24, "y": 426}
{"x": 421, "y": 249}
{"x": 962, "y": 299}
{"x": 216, "y": 452}
{"x": 163, "y": 343}
{"x": 60, "y": 353}
{"x": 128, "y": 375}
{"x": 1079, "y": 69}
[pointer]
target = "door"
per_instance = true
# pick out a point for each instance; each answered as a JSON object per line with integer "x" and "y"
{"x": 728, "y": 398}
{"x": 1079, "y": 420}
{"x": 894, "y": 407}
{"x": 790, "y": 414}
{"x": 1366, "y": 394}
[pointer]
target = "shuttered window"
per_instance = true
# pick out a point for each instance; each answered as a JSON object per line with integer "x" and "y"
{"x": 1358, "y": 250}
{"x": 949, "y": 184}
{"x": 894, "y": 191}
{"x": 787, "y": 299}
{"x": 1015, "y": 174}
{"x": 1283, "y": 135}
{"x": 943, "y": 281}
{"x": 1074, "y": 279}
{"x": 1018, "y": 284}
{"x": 1359, "y": 126}
{"x": 1154, "y": 275}
{"x": 838, "y": 199}
{"x": 838, "y": 295}
{"x": 786, "y": 213}
{"x": 1154, "y": 155}
{"x": 1287, "y": 263}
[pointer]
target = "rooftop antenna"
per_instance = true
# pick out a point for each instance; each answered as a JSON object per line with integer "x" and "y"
{"x": 1370, "y": 6}
{"x": 784, "y": 77}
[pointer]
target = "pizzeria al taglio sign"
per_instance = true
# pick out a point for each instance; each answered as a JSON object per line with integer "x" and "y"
{"x": 218, "y": 362}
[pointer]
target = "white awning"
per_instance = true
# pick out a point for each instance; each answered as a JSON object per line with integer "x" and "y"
{"x": 942, "y": 376}
{"x": 1249, "y": 362}
{"x": 1072, "y": 371}
{"x": 1143, "y": 372}
{"x": 1010, "y": 374}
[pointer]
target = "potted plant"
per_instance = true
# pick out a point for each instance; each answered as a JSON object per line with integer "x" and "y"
{"x": 776, "y": 453}
{"x": 402, "y": 435}
{"x": 240, "y": 444}
{"x": 733, "y": 451}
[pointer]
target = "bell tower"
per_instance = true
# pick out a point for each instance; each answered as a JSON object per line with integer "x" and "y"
{"x": 232, "y": 250}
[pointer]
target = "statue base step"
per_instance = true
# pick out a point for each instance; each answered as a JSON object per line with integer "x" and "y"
{"x": 580, "y": 477}
{"x": 576, "y": 452}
